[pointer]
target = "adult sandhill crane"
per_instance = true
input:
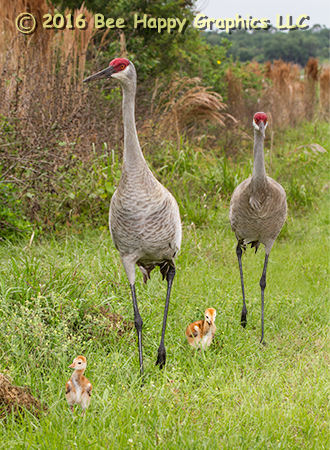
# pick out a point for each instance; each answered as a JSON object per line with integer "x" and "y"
{"x": 144, "y": 217}
{"x": 257, "y": 211}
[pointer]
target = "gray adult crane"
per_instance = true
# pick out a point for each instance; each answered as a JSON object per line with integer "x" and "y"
{"x": 257, "y": 211}
{"x": 144, "y": 217}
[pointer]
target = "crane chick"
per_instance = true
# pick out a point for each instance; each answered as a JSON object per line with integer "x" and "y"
{"x": 201, "y": 333}
{"x": 78, "y": 389}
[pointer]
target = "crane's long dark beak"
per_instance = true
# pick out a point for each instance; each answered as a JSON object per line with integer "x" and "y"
{"x": 261, "y": 128}
{"x": 106, "y": 73}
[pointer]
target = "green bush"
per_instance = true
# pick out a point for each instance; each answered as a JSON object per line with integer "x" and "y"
{"x": 13, "y": 218}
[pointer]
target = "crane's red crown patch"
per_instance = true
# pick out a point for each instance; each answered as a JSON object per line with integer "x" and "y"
{"x": 119, "y": 64}
{"x": 260, "y": 116}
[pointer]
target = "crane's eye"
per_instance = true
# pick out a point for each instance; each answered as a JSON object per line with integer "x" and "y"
{"x": 79, "y": 362}
{"x": 122, "y": 66}
{"x": 255, "y": 120}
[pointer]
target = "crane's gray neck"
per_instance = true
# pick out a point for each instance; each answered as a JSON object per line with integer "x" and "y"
{"x": 259, "y": 172}
{"x": 133, "y": 156}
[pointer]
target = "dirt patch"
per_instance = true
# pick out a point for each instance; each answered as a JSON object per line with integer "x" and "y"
{"x": 117, "y": 322}
{"x": 18, "y": 399}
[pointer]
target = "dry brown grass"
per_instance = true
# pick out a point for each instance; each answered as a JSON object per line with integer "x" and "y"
{"x": 46, "y": 49}
{"x": 255, "y": 68}
{"x": 184, "y": 105}
{"x": 9, "y": 11}
{"x": 312, "y": 72}
{"x": 48, "y": 120}
{"x": 234, "y": 93}
{"x": 285, "y": 95}
{"x": 325, "y": 91}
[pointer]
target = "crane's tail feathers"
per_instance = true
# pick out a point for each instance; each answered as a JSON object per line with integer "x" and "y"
{"x": 165, "y": 267}
{"x": 243, "y": 244}
{"x": 255, "y": 244}
{"x": 146, "y": 272}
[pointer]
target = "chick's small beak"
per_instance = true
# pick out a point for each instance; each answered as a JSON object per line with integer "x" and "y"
{"x": 71, "y": 366}
{"x": 106, "y": 73}
{"x": 262, "y": 128}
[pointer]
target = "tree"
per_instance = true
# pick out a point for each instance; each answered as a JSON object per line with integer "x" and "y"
{"x": 154, "y": 53}
{"x": 296, "y": 46}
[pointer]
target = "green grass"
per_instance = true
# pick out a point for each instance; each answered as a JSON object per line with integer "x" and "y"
{"x": 237, "y": 395}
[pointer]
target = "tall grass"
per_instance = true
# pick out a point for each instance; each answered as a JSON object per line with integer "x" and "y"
{"x": 201, "y": 179}
{"x": 277, "y": 88}
{"x": 312, "y": 73}
{"x": 55, "y": 47}
{"x": 185, "y": 104}
{"x": 325, "y": 91}
{"x": 55, "y": 134}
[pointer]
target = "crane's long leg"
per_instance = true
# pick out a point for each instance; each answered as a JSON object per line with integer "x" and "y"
{"x": 244, "y": 310}
{"x": 138, "y": 325}
{"x": 161, "y": 359}
{"x": 263, "y": 285}
{"x": 129, "y": 266}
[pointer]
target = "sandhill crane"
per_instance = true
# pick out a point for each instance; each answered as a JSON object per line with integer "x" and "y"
{"x": 257, "y": 211}
{"x": 201, "y": 333}
{"x": 144, "y": 217}
{"x": 78, "y": 389}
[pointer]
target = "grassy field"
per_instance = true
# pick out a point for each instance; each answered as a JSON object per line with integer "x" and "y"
{"x": 237, "y": 395}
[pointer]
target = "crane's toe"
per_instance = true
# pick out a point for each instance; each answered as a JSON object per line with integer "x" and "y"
{"x": 161, "y": 359}
{"x": 243, "y": 318}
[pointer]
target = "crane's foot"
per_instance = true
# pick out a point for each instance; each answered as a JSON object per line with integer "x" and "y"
{"x": 243, "y": 319}
{"x": 161, "y": 359}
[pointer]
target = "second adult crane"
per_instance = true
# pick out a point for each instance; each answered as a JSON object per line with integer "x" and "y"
{"x": 257, "y": 211}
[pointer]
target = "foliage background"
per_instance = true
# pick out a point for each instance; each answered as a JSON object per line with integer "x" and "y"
{"x": 296, "y": 46}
